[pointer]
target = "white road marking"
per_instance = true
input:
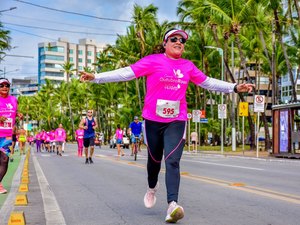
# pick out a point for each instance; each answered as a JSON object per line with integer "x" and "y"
{"x": 225, "y": 165}
{"x": 53, "y": 213}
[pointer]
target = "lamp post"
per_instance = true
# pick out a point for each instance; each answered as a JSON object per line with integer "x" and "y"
{"x": 6, "y": 72}
{"x": 221, "y": 53}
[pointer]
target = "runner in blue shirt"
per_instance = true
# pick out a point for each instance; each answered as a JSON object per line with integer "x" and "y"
{"x": 136, "y": 130}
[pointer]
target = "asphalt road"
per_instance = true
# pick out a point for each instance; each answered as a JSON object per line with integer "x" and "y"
{"x": 215, "y": 190}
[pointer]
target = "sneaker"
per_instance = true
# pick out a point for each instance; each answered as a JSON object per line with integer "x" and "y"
{"x": 149, "y": 198}
{"x": 11, "y": 159}
{"x": 175, "y": 212}
{"x": 86, "y": 161}
{"x": 2, "y": 189}
{"x": 91, "y": 161}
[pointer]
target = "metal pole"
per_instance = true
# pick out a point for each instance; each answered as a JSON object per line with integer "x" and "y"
{"x": 220, "y": 50}
{"x": 222, "y": 96}
{"x": 189, "y": 134}
{"x": 257, "y": 137}
{"x": 233, "y": 130}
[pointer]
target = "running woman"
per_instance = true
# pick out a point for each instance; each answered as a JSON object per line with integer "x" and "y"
{"x": 22, "y": 140}
{"x": 79, "y": 138}
{"x": 60, "y": 137}
{"x": 8, "y": 113}
{"x": 38, "y": 142}
{"x": 89, "y": 125}
{"x": 119, "y": 137}
{"x": 165, "y": 110}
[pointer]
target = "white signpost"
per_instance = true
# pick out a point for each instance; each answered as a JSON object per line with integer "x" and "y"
{"x": 222, "y": 114}
{"x": 259, "y": 106}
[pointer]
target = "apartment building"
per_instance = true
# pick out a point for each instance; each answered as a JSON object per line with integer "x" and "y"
{"x": 52, "y": 55}
{"x": 24, "y": 87}
{"x": 262, "y": 84}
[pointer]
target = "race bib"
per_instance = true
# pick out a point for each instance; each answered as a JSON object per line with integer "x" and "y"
{"x": 7, "y": 124}
{"x": 167, "y": 108}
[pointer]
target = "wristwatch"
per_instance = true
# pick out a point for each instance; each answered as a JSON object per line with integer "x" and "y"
{"x": 235, "y": 89}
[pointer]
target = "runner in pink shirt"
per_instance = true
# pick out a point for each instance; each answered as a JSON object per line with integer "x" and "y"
{"x": 60, "y": 137}
{"x": 165, "y": 110}
{"x": 119, "y": 137}
{"x": 8, "y": 113}
{"x": 52, "y": 140}
{"x": 79, "y": 138}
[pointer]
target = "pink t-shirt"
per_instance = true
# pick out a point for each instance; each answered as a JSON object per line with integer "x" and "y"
{"x": 8, "y": 108}
{"x": 60, "y": 134}
{"x": 167, "y": 82}
{"x": 79, "y": 134}
{"x": 52, "y": 135}
{"x": 119, "y": 134}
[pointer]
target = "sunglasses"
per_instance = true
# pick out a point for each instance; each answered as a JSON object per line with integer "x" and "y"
{"x": 90, "y": 112}
{"x": 4, "y": 85}
{"x": 175, "y": 39}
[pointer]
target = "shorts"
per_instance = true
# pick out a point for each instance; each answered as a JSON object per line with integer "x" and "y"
{"x": 119, "y": 141}
{"x": 133, "y": 139}
{"x": 89, "y": 142}
{"x": 59, "y": 143}
{"x": 5, "y": 144}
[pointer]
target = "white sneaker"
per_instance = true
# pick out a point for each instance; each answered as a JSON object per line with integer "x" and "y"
{"x": 149, "y": 198}
{"x": 175, "y": 212}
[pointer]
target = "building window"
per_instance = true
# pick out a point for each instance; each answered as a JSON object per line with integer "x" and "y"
{"x": 71, "y": 51}
{"x": 80, "y": 60}
{"x": 71, "y": 59}
{"x": 89, "y": 53}
{"x": 79, "y": 52}
{"x": 53, "y": 57}
{"x": 80, "y": 68}
{"x": 89, "y": 61}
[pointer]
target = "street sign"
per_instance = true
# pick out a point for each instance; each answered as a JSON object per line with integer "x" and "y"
{"x": 196, "y": 115}
{"x": 189, "y": 116}
{"x": 204, "y": 120}
{"x": 243, "y": 109}
{"x": 222, "y": 111}
{"x": 259, "y": 103}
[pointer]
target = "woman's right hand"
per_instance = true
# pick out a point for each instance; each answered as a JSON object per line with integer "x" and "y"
{"x": 84, "y": 76}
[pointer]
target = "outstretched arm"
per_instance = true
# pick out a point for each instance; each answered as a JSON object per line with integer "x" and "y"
{"x": 213, "y": 84}
{"x": 119, "y": 75}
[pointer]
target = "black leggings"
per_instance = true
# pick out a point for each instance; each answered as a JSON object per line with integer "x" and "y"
{"x": 3, "y": 164}
{"x": 166, "y": 139}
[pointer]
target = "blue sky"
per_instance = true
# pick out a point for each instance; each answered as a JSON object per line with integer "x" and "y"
{"x": 25, "y": 39}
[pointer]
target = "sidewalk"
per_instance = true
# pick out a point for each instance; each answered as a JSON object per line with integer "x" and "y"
{"x": 34, "y": 211}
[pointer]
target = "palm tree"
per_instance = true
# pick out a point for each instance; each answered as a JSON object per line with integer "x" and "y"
{"x": 68, "y": 70}
{"x": 4, "y": 41}
{"x": 144, "y": 20}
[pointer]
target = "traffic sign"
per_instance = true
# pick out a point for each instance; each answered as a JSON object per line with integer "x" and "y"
{"x": 259, "y": 103}
{"x": 204, "y": 120}
{"x": 222, "y": 111}
{"x": 196, "y": 115}
{"x": 243, "y": 109}
{"x": 189, "y": 116}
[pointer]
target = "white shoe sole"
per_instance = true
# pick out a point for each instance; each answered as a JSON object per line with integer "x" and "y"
{"x": 177, "y": 214}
